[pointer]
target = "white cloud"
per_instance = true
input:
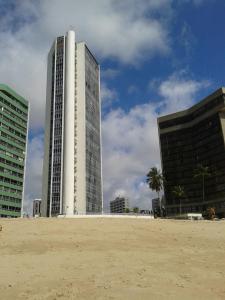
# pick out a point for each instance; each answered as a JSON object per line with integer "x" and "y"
{"x": 187, "y": 39}
{"x": 133, "y": 89}
{"x": 179, "y": 91}
{"x": 108, "y": 96}
{"x": 24, "y": 70}
{"x": 194, "y": 2}
{"x": 199, "y": 2}
{"x": 109, "y": 73}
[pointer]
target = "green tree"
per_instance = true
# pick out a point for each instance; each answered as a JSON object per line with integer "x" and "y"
{"x": 136, "y": 210}
{"x": 155, "y": 181}
{"x": 179, "y": 193}
{"x": 127, "y": 210}
{"x": 202, "y": 172}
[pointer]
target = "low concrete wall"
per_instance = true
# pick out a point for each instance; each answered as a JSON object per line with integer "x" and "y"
{"x": 109, "y": 216}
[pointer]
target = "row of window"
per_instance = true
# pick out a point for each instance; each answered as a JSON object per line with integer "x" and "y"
{"x": 10, "y": 190}
{"x": 10, "y": 172}
{"x": 197, "y": 208}
{"x": 58, "y": 116}
{"x": 55, "y": 209}
{"x": 57, "y": 150}
{"x": 11, "y": 199}
{"x": 57, "y": 142}
{"x": 14, "y": 99}
{"x": 56, "y": 168}
{"x": 59, "y": 75}
{"x": 10, "y": 163}
{"x": 59, "y": 84}
{"x": 91, "y": 190}
{"x": 56, "y": 188}
{"x": 13, "y": 139}
{"x": 58, "y": 131}
{"x": 12, "y": 155}
{"x": 57, "y": 159}
{"x": 14, "y": 116}
{"x": 58, "y": 123}
{"x": 58, "y": 91}
{"x": 56, "y": 179}
{"x": 10, "y": 208}
{"x": 92, "y": 207}
{"x": 13, "y": 131}
{"x": 58, "y": 108}
{"x": 90, "y": 59}
{"x": 10, "y": 181}
{"x": 13, "y": 107}
{"x": 15, "y": 124}
{"x": 14, "y": 148}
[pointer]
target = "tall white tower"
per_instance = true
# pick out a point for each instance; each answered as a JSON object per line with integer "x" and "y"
{"x": 72, "y": 180}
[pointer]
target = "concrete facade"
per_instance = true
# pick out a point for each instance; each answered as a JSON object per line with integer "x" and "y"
{"x": 72, "y": 176}
{"x": 119, "y": 205}
{"x": 189, "y": 138}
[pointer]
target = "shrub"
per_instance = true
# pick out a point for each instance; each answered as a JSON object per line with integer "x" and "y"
{"x": 210, "y": 213}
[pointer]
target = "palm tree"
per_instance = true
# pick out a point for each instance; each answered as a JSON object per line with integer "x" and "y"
{"x": 179, "y": 193}
{"x": 202, "y": 172}
{"x": 155, "y": 181}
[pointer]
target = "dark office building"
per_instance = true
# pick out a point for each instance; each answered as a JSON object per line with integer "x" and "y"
{"x": 189, "y": 138}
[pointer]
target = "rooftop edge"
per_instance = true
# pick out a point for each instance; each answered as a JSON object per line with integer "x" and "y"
{"x": 191, "y": 109}
{"x": 4, "y": 87}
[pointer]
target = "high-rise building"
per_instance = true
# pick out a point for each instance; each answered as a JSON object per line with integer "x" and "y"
{"x": 119, "y": 205}
{"x": 14, "y": 111}
{"x": 36, "y": 207}
{"x": 72, "y": 162}
{"x": 188, "y": 139}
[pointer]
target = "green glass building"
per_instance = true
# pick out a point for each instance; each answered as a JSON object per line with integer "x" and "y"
{"x": 13, "y": 140}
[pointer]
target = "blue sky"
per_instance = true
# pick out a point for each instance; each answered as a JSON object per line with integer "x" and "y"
{"x": 156, "y": 56}
{"x": 197, "y": 47}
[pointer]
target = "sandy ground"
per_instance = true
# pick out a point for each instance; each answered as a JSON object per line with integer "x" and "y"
{"x": 111, "y": 259}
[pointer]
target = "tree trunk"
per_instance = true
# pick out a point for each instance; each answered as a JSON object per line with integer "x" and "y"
{"x": 203, "y": 188}
{"x": 160, "y": 205}
{"x": 180, "y": 206}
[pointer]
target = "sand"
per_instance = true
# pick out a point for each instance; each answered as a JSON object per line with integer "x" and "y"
{"x": 111, "y": 259}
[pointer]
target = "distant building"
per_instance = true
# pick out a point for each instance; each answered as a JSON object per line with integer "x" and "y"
{"x": 119, "y": 205}
{"x": 36, "y": 207}
{"x": 189, "y": 138}
{"x": 14, "y": 111}
{"x": 155, "y": 204}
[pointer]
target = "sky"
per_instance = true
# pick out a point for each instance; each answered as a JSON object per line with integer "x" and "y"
{"x": 156, "y": 57}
